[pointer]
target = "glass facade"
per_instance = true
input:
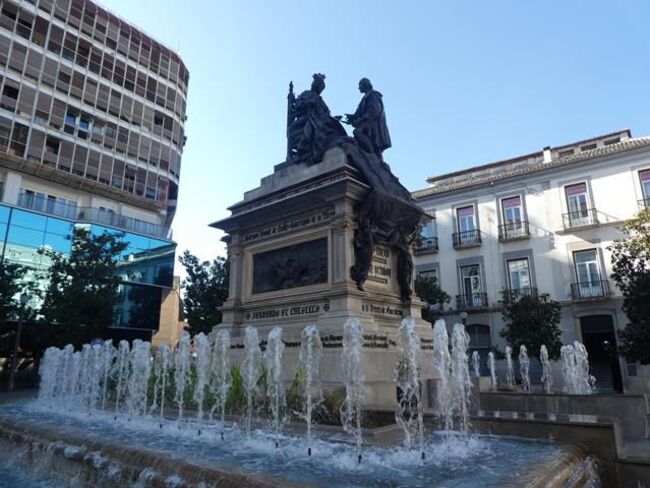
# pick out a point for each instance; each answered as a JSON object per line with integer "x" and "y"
{"x": 86, "y": 93}
{"x": 145, "y": 267}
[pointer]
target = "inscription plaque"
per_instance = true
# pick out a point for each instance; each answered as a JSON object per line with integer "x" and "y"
{"x": 380, "y": 271}
{"x": 294, "y": 266}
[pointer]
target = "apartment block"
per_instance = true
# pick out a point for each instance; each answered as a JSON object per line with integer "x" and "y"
{"x": 540, "y": 224}
{"x": 92, "y": 113}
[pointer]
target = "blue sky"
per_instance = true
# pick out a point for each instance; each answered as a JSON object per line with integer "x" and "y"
{"x": 464, "y": 83}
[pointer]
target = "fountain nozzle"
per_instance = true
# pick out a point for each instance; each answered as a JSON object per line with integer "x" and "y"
{"x": 423, "y": 456}
{"x": 222, "y": 436}
{"x": 309, "y": 451}
{"x": 199, "y": 432}
{"x": 277, "y": 444}
{"x": 359, "y": 459}
{"x": 160, "y": 425}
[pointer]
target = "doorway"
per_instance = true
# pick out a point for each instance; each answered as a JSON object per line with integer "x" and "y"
{"x": 600, "y": 340}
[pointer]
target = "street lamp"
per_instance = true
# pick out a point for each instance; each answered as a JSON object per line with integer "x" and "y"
{"x": 24, "y": 298}
{"x": 463, "y": 317}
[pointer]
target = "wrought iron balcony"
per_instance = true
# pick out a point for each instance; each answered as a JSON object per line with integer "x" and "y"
{"x": 514, "y": 230}
{"x": 469, "y": 238}
{"x": 471, "y": 300}
{"x": 581, "y": 218}
{"x": 590, "y": 290}
{"x": 515, "y": 294}
{"x": 426, "y": 245}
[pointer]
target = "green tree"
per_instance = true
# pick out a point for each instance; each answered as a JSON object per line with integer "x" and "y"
{"x": 205, "y": 289}
{"x": 631, "y": 272}
{"x": 532, "y": 321}
{"x": 82, "y": 287}
{"x": 11, "y": 285}
{"x": 426, "y": 287}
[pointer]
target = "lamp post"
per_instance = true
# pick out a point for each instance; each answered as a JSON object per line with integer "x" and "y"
{"x": 24, "y": 298}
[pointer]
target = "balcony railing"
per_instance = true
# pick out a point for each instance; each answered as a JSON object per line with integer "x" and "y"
{"x": 469, "y": 238}
{"x": 514, "y": 230}
{"x": 49, "y": 206}
{"x": 515, "y": 294}
{"x": 581, "y": 218}
{"x": 590, "y": 290}
{"x": 70, "y": 211}
{"x": 644, "y": 202}
{"x": 427, "y": 244}
{"x": 471, "y": 300}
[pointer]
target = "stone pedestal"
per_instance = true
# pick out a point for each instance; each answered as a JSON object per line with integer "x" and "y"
{"x": 290, "y": 245}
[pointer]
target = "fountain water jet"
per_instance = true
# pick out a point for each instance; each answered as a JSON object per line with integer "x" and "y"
{"x": 219, "y": 383}
{"x": 547, "y": 375}
{"x": 121, "y": 372}
{"x": 138, "y": 382}
{"x": 353, "y": 377}
{"x": 311, "y": 352}
{"x": 510, "y": 372}
{"x": 202, "y": 350}
{"x": 252, "y": 368}
{"x": 493, "y": 372}
{"x": 408, "y": 414}
{"x": 442, "y": 364}
{"x": 460, "y": 377}
{"x": 273, "y": 360}
{"x": 524, "y": 368}
{"x": 182, "y": 371}
{"x": 575, "y": 370}
{"x": 108, "y": 355}
{"x": 476, "y": 364}
{"x": 162, "y": 362}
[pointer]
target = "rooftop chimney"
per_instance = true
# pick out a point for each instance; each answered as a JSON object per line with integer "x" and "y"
{"x": 547, "y": 155}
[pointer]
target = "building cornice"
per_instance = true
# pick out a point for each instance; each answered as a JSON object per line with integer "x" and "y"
{"x": 594, "y": 155}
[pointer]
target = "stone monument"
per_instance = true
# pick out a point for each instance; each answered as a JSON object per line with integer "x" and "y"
{"x": 326, "y": 237}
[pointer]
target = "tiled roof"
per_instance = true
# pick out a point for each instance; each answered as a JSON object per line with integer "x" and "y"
{"x": 619, "y": 147}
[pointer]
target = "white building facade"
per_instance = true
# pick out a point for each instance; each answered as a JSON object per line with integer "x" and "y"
{"x": 540, "y": 224}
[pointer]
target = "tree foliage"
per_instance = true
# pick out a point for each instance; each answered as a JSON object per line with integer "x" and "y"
{"x": 82, "y": 287}
{"x": 205, "y": 289}
{"x": 532, "y": 321}
{"x": 631, "y": 272}
{"x": 428, "y": 290}
{"x": 11, "y": 285}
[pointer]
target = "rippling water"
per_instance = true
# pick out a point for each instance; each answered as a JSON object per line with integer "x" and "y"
{"x": 480, "y": 461}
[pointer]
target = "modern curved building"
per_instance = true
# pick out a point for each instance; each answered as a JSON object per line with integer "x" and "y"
{"x": 92, "y": 114}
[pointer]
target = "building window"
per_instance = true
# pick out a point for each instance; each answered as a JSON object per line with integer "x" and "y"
{"x": 468, "y": 234}
{"x": 579, "y": 213}
{"x": 52, "y": 145}
{"x": 589, "y": 282}
{"x": 465, "y": 219}
{"x": 519, "y": 275}
{"x": 472, "y": 288}
{"x": 512, "y": 212}
{"x": 644, "y": 176}
{"x": 429, "y": 274}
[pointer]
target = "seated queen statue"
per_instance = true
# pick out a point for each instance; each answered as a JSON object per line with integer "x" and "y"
{"x": 311, "y": 129}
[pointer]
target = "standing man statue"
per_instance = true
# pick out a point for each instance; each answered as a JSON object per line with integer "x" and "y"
{"x": 369, "y": 121}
